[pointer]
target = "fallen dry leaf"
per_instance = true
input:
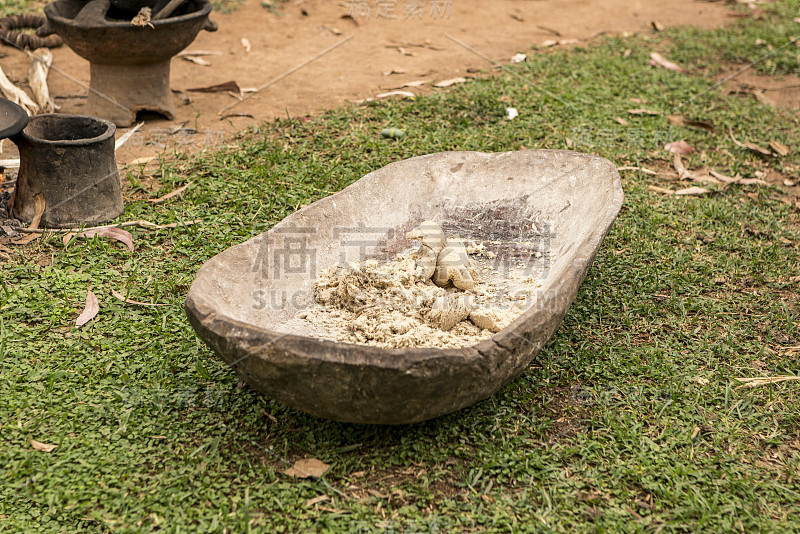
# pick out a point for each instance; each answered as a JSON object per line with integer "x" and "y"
{"x": 660, "y": 190}
{"x": 246, "y": 44}
{"x": 779, "y": 148}
{"x": 519, "y": 58}
{"x": 621, "y": 121}
{"x": 763, "y": 98}
{"x": 350, "y": 18}
{"x": 680, "y": 192}
{"x": 451, "y": 81}
{"x": 677, "y": 162}
{"x": 737, "y": 179}
{"x": 307, "y": 468}
{"x": 750, "y": 146}
{"x": 657, "y": 60}
{"x": 43, "y": 447}
{"x": 317, "y": 500}
{"x": 170, "y": 194}
{"x": 123, "y": 236}
{"x": 551, "y": 42}
{"x": 762, "y": 42}
{"x": 392, "y": 71}
{"x": 407, "y": 94}
{"x": 148, "y": 224}
{"x": 119, "y": 296}
{"x": 228, "y": 115}
{"x": 38, "y": 210}
{"x": 415, "y": 83}
{"x": 201, "y": 53}
{"x": 657, "y": 26}
{"x": 680, "y": 147}
{"x": 90, "y": 309}
{"x": 692, "y": 191}
{"x": 197, "y": 60}
{"x": 142, "y": 161}
{"x": 641, "y": 111}
{"x": 645, "y": 170}
{"x": 227, "y": 87}
{"x": 678, "y": 120}
{"x": 765, "y": 380}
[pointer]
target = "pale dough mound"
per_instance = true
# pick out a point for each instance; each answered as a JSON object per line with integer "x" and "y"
{"x": 398, "y": 305}
{"x": 393, "y": 306}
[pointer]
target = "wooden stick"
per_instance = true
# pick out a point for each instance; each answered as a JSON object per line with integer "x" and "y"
{"x": 167, "y": 10}
{"x": 140, "y": 223}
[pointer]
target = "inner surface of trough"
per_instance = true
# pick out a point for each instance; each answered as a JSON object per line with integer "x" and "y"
{"x": 531, "y": 215}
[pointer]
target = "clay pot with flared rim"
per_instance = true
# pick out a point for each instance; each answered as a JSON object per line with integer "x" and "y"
{"x": 69, "y": 160}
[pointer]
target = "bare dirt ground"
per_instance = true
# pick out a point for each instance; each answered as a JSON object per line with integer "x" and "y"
{"x": 383, "y": 54}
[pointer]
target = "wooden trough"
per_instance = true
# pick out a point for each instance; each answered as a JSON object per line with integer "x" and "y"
{"x": 542, "y": 213}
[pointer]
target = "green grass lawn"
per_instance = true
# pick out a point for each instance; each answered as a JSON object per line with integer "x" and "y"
{"x": 629, "y": 420}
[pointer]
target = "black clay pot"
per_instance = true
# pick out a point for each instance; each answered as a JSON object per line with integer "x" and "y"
{"x": 69, "y": 160}
{"x": 12, "y": 118}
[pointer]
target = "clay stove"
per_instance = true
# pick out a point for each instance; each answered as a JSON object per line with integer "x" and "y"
{"x": 129, "y": 63}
